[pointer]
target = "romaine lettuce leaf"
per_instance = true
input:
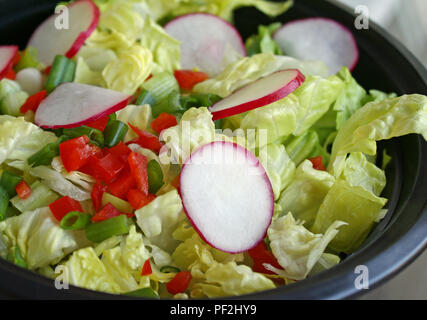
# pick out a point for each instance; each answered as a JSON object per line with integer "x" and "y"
{"x": 306, "y": 193}
{"x": 296, "y": 249}
{"x": 249, "y": 69}
{"x": 40, "y": 238}
{"x": 356, "y": 206}
{"x": 378, "y": 121}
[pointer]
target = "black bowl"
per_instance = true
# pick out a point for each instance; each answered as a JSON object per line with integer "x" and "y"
{"x": 394, "y": 243}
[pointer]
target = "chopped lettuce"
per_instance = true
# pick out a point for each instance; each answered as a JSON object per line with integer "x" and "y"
{"x": 263, "y": 41}
{"x": 138, "y": 116}
{"x": 40, "y": 238}
{"x": 376, "y": 121}
{"x": 356, "y": 206}
{"x": 249, "y": 69}
{"x": 296, "y": 249}
{"x": 306, "y": 193}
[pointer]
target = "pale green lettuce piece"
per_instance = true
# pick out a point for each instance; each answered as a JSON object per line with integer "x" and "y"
{"x": 306, "y": 192}
{"x": 378, "y": 121}
{"x": 96, "y": 58}
{"x": 138, "y": 116}
{"x": 85, "y": 75}
{"x": 40, "y": 238}
{"x": 377, "y": 96}
{"x": 78, "y": 178}
{"x": 263, "y": 41}
{"x": 111, "y": 40}
{"x": 358, "y": 171}
{"x": 279, "y": 167}
{"x": 296, "y": 249}
{"x": 20, "y": 139}
{"x": 326, "y": 261}
{"x": 249, "y": 69}
{"x": 7, "y": 87}
{"x": 305, "y": 147}
{"x": 296, "y": 113}
{"x": 129, "y": 71}
{"x": 356, "y": 206}
{"x": 160, "y": 218}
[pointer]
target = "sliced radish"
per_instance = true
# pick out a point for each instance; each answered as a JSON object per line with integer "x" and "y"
{"x": 73, "y": 104}
{"x": 7, "y": 55}
{"x": 83, "y": 18}
{"x": 227, "y": 196}
{"x": 257, "y": 94}
{"x": 204, "y": 41}
{"x": 319, "y": 39}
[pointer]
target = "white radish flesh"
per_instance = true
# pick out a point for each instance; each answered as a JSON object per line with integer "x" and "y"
{"x": 257, "y": 94}
{"x": 30, "y": 80}
{"x": 204, "y": 41}
{"x": 73, "y": 104}
{"x": 319, "y": 39}
{"x": 7, "y": 54}
{"x": 227, "y": 196}
{"x": 65, "y": 32}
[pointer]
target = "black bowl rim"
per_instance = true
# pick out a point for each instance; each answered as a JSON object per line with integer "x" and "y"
{"x": 42, "y": 287}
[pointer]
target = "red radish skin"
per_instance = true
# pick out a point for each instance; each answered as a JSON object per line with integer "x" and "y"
{"x": 50, "y": 41}
{"x": 64, "y": 108}
{"x": 250, "y": 230}
{"x": 204, "y": 52}
{"x": 7, "y": 56}
{"x": 351, "y": 54}
{"x": 292, "y": 80}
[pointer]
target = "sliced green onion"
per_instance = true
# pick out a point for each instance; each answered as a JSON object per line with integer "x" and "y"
{"x": 17, "y": 258}
{"x": 161, "y": 85}
{"x": 145, "y": 97}
{"x": 144, "y": 293}
{"x": 155, "y": 176}
{"x": 62, "y": 70}
{"x": 8, "y": 181}
{"x": 100, "y": 231}
{"x": 219, "y": 123}
{"x": 4, "y": 203}
{"x": 95, "y": 136}
{"x": 75, "y": 220}
{"x": 171, "y": 104}
{"x": 114, "y": 133}
{"x": 200, "y": 100}
{"x": 112, "y": 117}
{"x": 45, "y": 156}
{"x": 169, "y": 269}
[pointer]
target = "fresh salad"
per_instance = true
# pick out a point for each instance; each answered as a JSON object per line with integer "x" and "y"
{"x": 147, "y": 150}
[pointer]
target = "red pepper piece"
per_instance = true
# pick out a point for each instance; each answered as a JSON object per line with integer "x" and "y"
{"x": 10, "y": 74}
{"x": 23, "y": 190}
{"x": 138, "y": 168}
{"x": 261, "y": 255}
{"x": 187, "y": 79}
{"x": 99, "y": 124}
{"x": 163, "y": 121}
{"x": 146, "y": 268}
{"x": 121, "y": 151}
{"x": 106, "y": 213}
{"x": 33, "y": 102}
{"x": 146, "y": 140}
{"x": 179, "y": 283}
{"x": 75, "y": 153}
{"x": 318, "y": 163}
{"x": 105, "y": 169}
{"x": 64, "y": 205}
{"x": 97, "y": 193}
{"x": 121, "y": 186}
{"x": 138, "y": 199}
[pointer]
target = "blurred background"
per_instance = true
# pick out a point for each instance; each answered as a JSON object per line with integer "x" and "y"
{"x": 406, "y": 21}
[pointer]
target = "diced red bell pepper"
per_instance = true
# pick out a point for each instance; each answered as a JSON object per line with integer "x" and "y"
{"x": 33, "y": 102}
{"x": 11, "y": 75}
{"x": 105, "y": 169}
{"x": 318, "y": 163}
{"x": 261, "y": 255}
{"x": 187, "y": 79}
{"x": 121, "y": 151}
{"x": 75, "y": 153}
{"x": 99, "y": 124}
{"x": 121, "y": 186}
{"x": 97, "y": 193}
{"x": 163, "y": 121}
{"x": 23, "y": 190}
{"x": 146, "y": 268}
{"x": 108, "y": 212}
{"x": 138, "y": 168}
{"x": 64, "y": 205}
{"x": 146, "y": 140}
{"x": 179, "y": 283}
{"x": 138, "y": 199}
